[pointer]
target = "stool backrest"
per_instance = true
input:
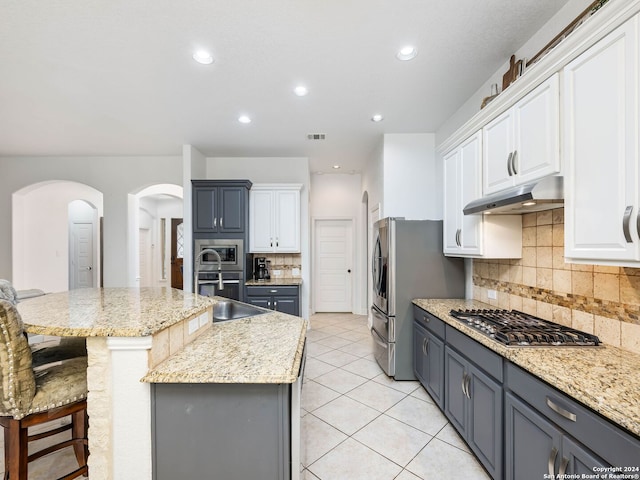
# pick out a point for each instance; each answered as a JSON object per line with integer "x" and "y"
{"x": 17, "y": 380}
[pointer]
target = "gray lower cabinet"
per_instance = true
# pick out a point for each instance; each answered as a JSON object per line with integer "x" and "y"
{"x": 285, "y": 299}
{"x": 547, "y": 432}
{"x": 473, "y": 404}
{"x": 221, "y": 431}
{"x": 428, "y": 362}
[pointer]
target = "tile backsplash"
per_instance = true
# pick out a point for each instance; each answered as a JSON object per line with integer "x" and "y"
{"x": 286, "y": 263}
{"x": 597, "y": 299}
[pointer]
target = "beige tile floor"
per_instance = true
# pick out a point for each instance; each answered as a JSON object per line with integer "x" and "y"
{"x": 358, "y": 424}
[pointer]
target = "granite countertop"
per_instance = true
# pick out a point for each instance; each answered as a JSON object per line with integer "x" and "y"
{"x": 604, "y": 378}
{"x": 110, "y": 312}
{"x": 274, "y": 282}
{"x": 265, "y": 348}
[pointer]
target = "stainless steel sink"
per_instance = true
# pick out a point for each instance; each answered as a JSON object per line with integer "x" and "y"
{"x": 227, "y": 309}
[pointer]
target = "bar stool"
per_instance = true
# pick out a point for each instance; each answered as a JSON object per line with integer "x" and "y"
{"x": 28, "y": 399}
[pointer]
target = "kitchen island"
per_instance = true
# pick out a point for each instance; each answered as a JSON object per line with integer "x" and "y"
{"x": 230, "y": 402}
{"x": 569, "y": 409}
{"x": 132, "y": 331}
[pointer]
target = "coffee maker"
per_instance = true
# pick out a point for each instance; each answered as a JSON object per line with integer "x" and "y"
{"x": 260, "y": 269}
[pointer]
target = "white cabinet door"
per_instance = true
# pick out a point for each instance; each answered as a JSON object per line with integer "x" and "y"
{"x": 471, "y": 183}
{"x": 536, "y": 133}
{"x": 261, "y": 214}
{"x": 463, "y": 183}
{"x": 274, "y": 218}
{"x": 522, "y": 144}
{"x": 497, "y": 153}
{"x": 601, "y": 150}
{"x": 287, "y": 221}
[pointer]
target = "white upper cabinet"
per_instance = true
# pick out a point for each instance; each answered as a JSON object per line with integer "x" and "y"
{"x": 600, "y": 108}
{"x": 274, "y": 218}
{"x": 495, "y": 236}
{"x": 522, "y": 144}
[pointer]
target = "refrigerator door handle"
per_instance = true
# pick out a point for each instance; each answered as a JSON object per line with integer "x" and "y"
{"x": 378, "y": 339}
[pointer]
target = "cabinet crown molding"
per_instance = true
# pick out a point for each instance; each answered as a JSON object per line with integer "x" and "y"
{"x": 277, "y": 186}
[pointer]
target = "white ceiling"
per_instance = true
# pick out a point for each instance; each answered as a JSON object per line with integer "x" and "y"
{"x": 116, "y": 77}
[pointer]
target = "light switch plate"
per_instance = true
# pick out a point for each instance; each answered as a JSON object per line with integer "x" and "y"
{"x": 295, "y": 272}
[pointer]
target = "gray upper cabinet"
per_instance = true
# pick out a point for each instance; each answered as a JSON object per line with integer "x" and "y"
{"x": 220, "y": 206}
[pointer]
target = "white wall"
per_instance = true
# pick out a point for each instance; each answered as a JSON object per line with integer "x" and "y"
{"x": 338, "y": 196}
{"x": 194, "y": 166}
{"x": 39, "y": 230}
{"x": 410, "y": 187}
{"x": 115, "y": 177}
{"x": 274, "y": 170}
{"x": 372, "y": 177}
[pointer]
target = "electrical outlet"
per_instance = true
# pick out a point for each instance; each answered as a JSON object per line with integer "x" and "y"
{"x": 204, "y": 319}
{"x": 194, "y": 324}
{"x": 277, "y": 273}
{"x": 492, "y": 294}
{"x": 295, "y": 272}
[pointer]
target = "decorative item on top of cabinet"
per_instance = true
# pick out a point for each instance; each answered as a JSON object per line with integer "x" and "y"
{"x": 600, "y": 111}
{"x": 480, "y": 236}
{"x": 522, "y": 144}
{"x": 220, "y": 206}
{"x": 274, "y": 218}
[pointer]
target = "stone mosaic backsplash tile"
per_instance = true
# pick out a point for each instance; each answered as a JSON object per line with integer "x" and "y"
{"x": 598, "y": 299}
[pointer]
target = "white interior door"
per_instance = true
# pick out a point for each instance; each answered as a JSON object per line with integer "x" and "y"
{"x": 81, "y": 255}
{"x": 334, "y": 266}
{"x": 145, "y": 258}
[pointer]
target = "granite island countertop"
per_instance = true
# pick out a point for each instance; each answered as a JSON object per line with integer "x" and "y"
{"x": 603, "y": 378}
{"x": 110, "y": 312}
{"x": 281, "y": 282}
{"x": 265, "y": 348}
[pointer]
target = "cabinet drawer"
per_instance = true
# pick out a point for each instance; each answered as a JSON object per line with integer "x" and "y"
{"x": 429, "y": 321}
{"x": 487, "y": 360}
{"x": 273, "y": 290}
{"x": 607, "y": 440}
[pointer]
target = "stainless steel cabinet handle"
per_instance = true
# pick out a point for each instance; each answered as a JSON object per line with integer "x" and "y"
{"x": 509, "y": 169}
{"x": 561, "y": 411}
{"x": 275, "y": 304}
{"x": 426, "y": 318}
{"x": 271, "y": 240}
{"x": 221, "y": 223}
{"x": 638, "y": 223}
{"x": 425, "y": 346}
{"x": 458, "y": 231}
{"x": 552, "y": 460}
{"x": 626, "y": 219}
{"x": 215, "y": 222}
{"x": 269, "y": 303}
{"x": 563, "y": 467}
{"x": 273, "y": 291}
{"x": 277, "y": 242}
{"x": 514, "y": 158}
{"x": 468, "y": 385}
{"x": 464, "y": 384}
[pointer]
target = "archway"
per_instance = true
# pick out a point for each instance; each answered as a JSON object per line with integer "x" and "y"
{"x": 155, "y": 220}
{"x": 42, "y": 218}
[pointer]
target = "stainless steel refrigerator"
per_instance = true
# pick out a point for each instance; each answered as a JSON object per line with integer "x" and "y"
{"x": 407, "y": 263}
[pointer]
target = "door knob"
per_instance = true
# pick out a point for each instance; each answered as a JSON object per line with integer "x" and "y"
{"x": 349, "y": 271}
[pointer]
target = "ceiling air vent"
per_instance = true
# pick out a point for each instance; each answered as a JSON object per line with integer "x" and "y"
{"x": 316, "y": 136}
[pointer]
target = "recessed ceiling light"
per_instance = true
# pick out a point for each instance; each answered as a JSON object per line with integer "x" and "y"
{"x": 244, "y": 119}
{"x": 335, "y": 167}
{"x": 301, "y": 90}
{"x": 407, "y": 53}
{"x": 377, "y": 118}
{"x": 203, "y": 57}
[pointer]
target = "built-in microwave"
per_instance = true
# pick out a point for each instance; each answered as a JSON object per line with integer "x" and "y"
{"x": 231, "y": 253}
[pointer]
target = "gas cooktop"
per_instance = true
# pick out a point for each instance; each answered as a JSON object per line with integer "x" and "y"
{"x": 517, "y": 329}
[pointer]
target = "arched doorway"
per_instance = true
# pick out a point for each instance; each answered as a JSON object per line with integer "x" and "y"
{"x": 43, "y": 243}
{"x": 155, "y": 229}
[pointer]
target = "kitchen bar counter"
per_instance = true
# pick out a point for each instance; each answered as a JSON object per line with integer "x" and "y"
{"x": 127, "y": 331}
{"x": 274, "y": 282}
{"x": 265, "y": 348}
{"x": 110, "y": 312}
{"x": 604, "y": 378}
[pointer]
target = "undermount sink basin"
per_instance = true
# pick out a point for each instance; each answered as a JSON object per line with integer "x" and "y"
{"x": 232, "y": 310}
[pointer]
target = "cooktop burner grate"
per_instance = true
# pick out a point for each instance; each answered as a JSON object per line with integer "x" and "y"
{"x": 514, "y": 328}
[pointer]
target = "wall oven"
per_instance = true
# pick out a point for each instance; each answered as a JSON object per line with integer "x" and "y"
{"x": 231, "y": 253}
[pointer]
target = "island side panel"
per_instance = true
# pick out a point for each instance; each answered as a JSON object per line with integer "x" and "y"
{"x": 230, "y": 431}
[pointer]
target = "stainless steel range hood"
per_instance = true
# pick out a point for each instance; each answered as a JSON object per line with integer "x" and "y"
{"x": 545, "y": 194}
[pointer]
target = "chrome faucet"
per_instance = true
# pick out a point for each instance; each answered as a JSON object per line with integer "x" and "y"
{"x": 196, "y": 265}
